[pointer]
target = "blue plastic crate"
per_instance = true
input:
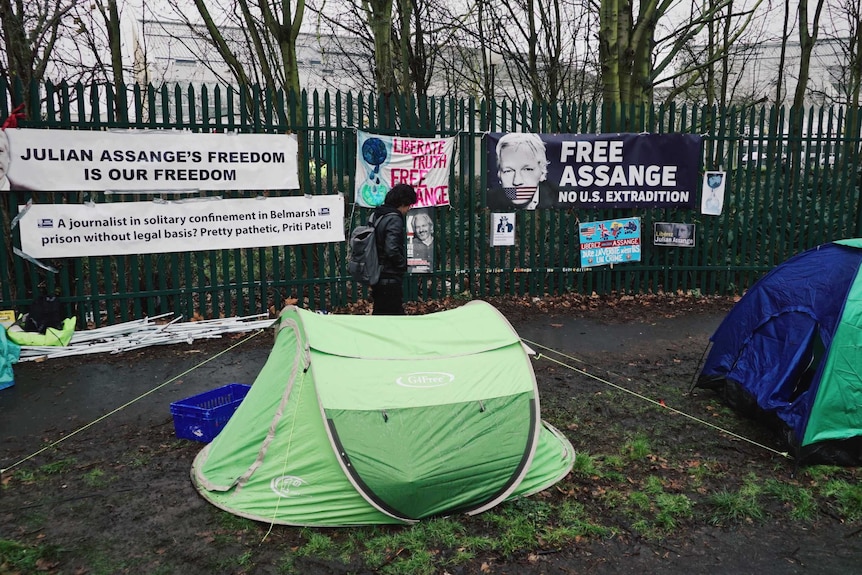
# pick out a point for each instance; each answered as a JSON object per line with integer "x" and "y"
{"x": 201, "y": 417}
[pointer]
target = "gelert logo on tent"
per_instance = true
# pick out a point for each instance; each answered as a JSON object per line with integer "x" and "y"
{"x": 287, "y": 485}
{"x": 425, "y": 379}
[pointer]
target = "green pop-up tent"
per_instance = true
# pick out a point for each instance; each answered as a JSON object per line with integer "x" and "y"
{"x": 380, "y": 419}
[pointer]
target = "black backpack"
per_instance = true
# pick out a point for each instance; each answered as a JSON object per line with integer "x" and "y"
{"x": 45, "y": 312}
{"x": 362, "y": 260}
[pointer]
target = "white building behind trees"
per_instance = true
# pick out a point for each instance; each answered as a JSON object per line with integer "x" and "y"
{"x": 758, "y": 68}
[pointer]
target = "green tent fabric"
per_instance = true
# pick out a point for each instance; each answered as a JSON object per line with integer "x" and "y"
{"x": 10, "y": 353}
{"x": 385, "y": 419}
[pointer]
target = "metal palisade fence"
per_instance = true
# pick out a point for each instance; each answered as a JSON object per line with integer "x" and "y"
{"x": 787, "y": 190}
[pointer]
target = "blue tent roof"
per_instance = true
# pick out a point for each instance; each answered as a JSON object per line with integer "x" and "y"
{"x": 771, "y": 345}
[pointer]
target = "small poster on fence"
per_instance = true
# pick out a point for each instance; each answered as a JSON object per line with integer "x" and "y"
{"x": 502, "y": 229}
{"x": 712, "y": 193}
{"x": 610, "y": 242}
{"x": 420, "y": 241}
{"x": 673, "y": 234}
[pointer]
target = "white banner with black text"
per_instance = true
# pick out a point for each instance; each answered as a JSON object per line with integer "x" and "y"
{"x": 150, "y": 160}
{"x": 76, "y": 230}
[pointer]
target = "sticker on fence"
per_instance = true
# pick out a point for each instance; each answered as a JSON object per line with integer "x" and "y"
{"x": 673, "y": 234}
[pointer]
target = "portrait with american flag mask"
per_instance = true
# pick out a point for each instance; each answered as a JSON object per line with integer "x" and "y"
{"x": 521, "y": 174}
{"x": 529, "y": 171}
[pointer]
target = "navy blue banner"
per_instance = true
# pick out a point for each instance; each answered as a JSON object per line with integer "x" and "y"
{"x": 537, "y": 171}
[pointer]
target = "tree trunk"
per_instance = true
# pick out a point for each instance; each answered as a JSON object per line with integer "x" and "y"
{"x": 18, "y": 52}
{"x": 379, "y": 14}
{"x": 111, "y": 17}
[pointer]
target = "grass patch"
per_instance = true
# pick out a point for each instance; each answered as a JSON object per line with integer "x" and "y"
{"x": 614, "y": 462}
{"x": 742, "y": 505}
{"x": 612, "y": 468}
{"x": 847, "y": 497}
{"x": 317, "y": 544}
{"x": 671, "y": 508}
{"x": 821, "y": 473}
{"x": 636, "y": 449}
{"x": 237, "y": 564}
{"x": 796, "y": 498}
{"x": 584, "y": 465}
{"x": 96, "y": 478}
{"x": 421, "y": 548}
{"x": 43, "y": 472}
{"x": 58, "y": 467}
{"x": 516, "y": 531}
{"x": 231, "y": 522}
{"x": 701, "y": 471}
{"x": 20, "y": 558}
{"x": 653, "y": 485}
{"x": 416, "y": 549}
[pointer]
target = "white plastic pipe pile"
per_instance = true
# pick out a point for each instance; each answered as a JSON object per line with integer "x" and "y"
{"x": 144, "y": 333}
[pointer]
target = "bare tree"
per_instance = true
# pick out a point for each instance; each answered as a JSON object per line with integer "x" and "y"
{"x": 846, "y": 26}
{"x": 380, "y": 21}
{"x": 845, "y": 21}
{"x": 855, "y": 50}
{"x": 256, "y": 40}
{"x": 541, "y": 45}
{"x": 785, "y": 35}
{"x": 634, "y": 57}
{"x": 402, "y": 46}
{"x": 807, "y": 40}
{"x": 30, "y": 31}
{"x": 111, "y": 19}
{"x": 92, "y": 49}
{"x": 723, "y": 67}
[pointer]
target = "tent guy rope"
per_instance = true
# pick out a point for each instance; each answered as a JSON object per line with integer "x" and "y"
{"x": 128, "y": 403}
{"x": 645, "y": 398}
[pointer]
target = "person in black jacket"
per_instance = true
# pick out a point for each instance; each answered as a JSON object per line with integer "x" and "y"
{"x": 391, "y": 237}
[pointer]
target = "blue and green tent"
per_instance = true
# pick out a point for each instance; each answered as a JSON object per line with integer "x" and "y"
{"x": 790, "y": 352}
{"x": 380, "y": 419}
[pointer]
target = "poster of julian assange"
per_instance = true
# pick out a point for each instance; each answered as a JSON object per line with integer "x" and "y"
{"x": 537, "y": 171}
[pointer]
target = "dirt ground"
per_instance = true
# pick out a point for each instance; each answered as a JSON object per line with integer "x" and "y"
{"x": 113, "y": 494}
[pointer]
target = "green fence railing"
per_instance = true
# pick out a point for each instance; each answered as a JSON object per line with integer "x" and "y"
{"x": 788, "y": 189}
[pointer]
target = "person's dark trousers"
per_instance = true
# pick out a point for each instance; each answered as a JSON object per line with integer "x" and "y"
{"x": 387, "y": 297}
